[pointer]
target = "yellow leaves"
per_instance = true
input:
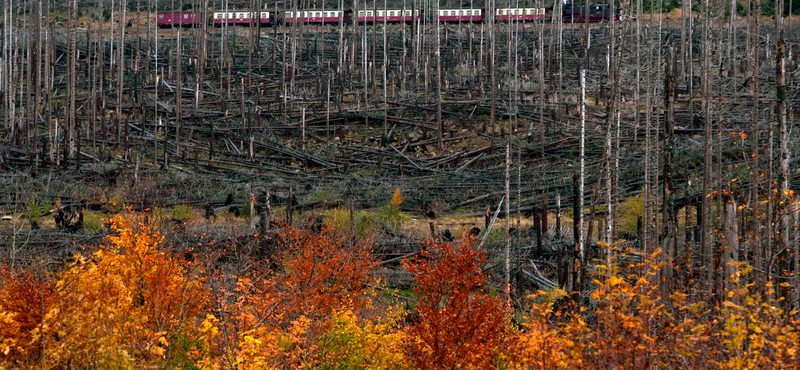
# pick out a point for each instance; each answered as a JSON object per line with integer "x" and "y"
{"x": 614, "y": 281}
{"x": 356, "y": 343}
{"x": 125, "y": 303}
{"x": 396, "y": 198}
{"x": 208, "y": 326}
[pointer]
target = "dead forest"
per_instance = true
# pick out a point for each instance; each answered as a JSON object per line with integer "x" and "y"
{"x": 574, "y": 143}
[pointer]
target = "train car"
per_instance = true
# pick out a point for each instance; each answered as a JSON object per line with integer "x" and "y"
{"x": 520, "y": 14}
{"x": 318, "y": 16}
{"x": 390, "y": 15}
{"x": 178, "y": 19}
{"x": 597, "y": 13}
{"x": 461, "y": 15}
{"x": 243, "y": 18}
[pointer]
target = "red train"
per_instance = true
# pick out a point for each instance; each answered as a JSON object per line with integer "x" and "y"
{"x": 461, "y": 15}
{"x": 571, "y": 13}
{"x": 388, "y": 15}
{"x": 178, "y": 19}
{"x": 243, "y": 18}
{"x": 317, "y": 16}
{"x": 522, "y": 14}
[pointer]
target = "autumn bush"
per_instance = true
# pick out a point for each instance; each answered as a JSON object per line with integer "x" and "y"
{"x": 125, "y": 305}
{"x": 318, "y": 303}
{"x": 24, "y": 298}
{"x": 281, "y": 312}
{"x": 631, "y": 324}
{"x": 459, "y": 325}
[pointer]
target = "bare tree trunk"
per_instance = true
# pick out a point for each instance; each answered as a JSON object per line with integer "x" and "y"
{"x": 507, "y": 254}
{"x": 731, "y": 249}
{"x": 492, "y": 74}
{"x": 439, "y": 91}
{"x": 72, "y": 78}
{"x": 705, "y": 238}
{"x": 179, "y": 89}
{"x": 121, "y": 68}
{"x": 755, "y": 171}
{"x": 670, "y": 224}
{"x": 578, "y": 217}
{"x": 6, "y": 67}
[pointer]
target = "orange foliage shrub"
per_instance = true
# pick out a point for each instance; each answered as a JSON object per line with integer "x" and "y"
{"x": 276, "y": 316}
{"x": 24, "y": 298}
{"x": 460, "y": 324}
{"x": 131, "y": 304}
{"x": 127, "y": 304}
{"x": 634, "y": 326}
{"x": 321, "y": 272}
{"x": 754, "y": 333}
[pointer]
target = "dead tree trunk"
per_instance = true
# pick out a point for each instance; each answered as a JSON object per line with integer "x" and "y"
{"x": 668, "y": 244}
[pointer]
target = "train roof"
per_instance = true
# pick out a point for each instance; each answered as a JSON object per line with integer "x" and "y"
{"x": 317, "y": 10}
{"x": 243, "y": 10}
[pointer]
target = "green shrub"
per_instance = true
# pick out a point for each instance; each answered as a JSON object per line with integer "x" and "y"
{"x": 368, "y": 222}
{"x": 245, "y": 212}
{"x": 629, "y": 212}
{"x": 93, "y": 221}
{"x": 36, "y": 208}
{"x": 182, "y": 213}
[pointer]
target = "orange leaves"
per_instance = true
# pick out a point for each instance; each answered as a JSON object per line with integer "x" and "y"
{"x": 278, "y": 315}
{"x": 126, "y": 304}
{"x": 460, "y": 324}
{"x": 132, "y": 304}
{"x": 24, "y": 296}
{"x": 320, "y": 272}
{"x": 397, "y": 199}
